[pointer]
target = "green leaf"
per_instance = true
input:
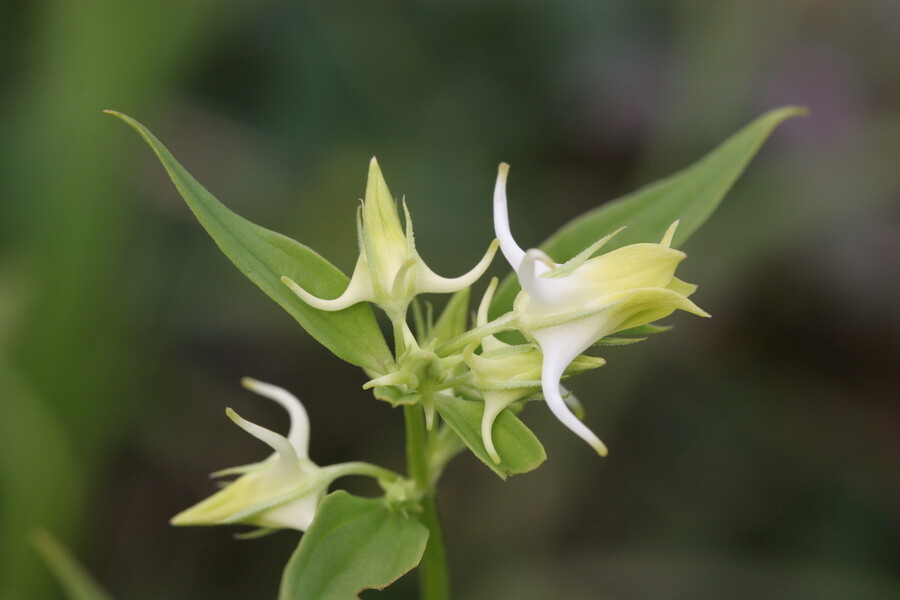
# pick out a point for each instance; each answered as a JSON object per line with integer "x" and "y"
{"x": 265, "y": 256}
{"x": 691, "y": 196}
{"x": 74, "y": 580}
{"x": 517, "y": 446}
{"x": 452, "y": 321}
{"x": 353, "y": 544}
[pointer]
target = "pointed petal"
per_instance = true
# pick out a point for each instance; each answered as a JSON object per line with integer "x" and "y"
{"x": 395, "y": 378}
{"x": 511, "y": 250}
{"x": 410, "y": 237}
{"x": 489, "y": 342}
{"x": 430, "y": 282}
{"x": 253, "y": 534}
{"x": 358, "y": 290}
{"x": 493, "y": 406}
{"x": 385, "y": 243}
{"x": 287, "y": 455}
{"x": 240, "y": 470}
{"x": 299, "y": 432}
{"x": 670, "y": 233}
{"x": 634, "y": 308}
{"x": 681, "y": 287}
{"x": 554, "y": 365}
{"x": 580, "y": 258}
{"x": 380, "y": 209}
{"x": 481, "y": 317}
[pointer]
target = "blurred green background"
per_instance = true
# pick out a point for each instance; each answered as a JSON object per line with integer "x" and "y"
{"x": 754, "y": 455}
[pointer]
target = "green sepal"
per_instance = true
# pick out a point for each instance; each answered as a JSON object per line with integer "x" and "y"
{"x": 394, "y": 395}
{"x": 689, "y": 196}
{"x": 519, "y": 449}
{"x": 644, "y": 330}
{"x": 265, "y": 257}
{"x": 255, "y": 534}
{"x": 618, "y": 341}
{"x": 353, "y": 544}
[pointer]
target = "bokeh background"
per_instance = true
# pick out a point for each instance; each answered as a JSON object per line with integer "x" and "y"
{"x": 754, "y": 455}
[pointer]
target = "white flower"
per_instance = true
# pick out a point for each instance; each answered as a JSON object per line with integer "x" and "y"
{"x": 284, "y": 490}
{"x": 389, "y": 271}
{"x": 505, "y": 374}
{"x": 567, "y": 308}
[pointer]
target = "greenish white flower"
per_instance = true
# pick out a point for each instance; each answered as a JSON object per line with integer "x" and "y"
{"x": 389, "y": 271}
{"x": 282, "y": 491}
{"x": 505, "y": 373}
{"x": 569, "y": 307}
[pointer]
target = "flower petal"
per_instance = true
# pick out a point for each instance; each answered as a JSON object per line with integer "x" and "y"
{"x": 576, "y": 261}
{"x": 298, "y": 435}
{"x": 555, "y": 362}
{"x": 430, "y": 282}
{"x": 358, "y": 290}
{"x": 287, "y": 455}
{"x": 511, "y": 250}
{"x": 494, "y": 404}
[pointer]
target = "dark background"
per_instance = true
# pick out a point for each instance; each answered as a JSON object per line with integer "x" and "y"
{"x": 754, "y": 455}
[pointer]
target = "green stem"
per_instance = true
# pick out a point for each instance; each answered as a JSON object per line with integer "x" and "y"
{"x": 362, "y": 468}
{"x": 434, "y": 582}
{"x": 501, "y": 323}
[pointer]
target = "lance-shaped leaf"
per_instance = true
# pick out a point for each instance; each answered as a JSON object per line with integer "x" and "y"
{"x": 689, "y": 196}
{"x": 354, "y": 544}
{"x": 518, "y": 448}
{"x": 265, "y": 257}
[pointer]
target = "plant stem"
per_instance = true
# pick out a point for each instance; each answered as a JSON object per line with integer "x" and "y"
{"x": 434, "y": 582}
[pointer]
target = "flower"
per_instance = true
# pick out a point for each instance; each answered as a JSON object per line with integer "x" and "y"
{"x": 389, "y": 271}
{"x": 284, "y": 490}
{"x": 506, "y": 373}
{"x": 279, "y": 492}
{"x": 567, "y": 308}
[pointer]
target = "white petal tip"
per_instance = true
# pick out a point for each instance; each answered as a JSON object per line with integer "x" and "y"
{"x": 670, "y": 233}
{"x": 250, "y": 383}
{"x": 601, "y": 449}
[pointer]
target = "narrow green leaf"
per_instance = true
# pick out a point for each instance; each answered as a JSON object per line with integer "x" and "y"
{"x": 354, "y": 544}
{"x": 517, "y": 446}
{"x": 691, "y": 196}
{"x": 265, "y": 256}
{"x": 452, "y": 321}
{"x": 74, "y": 580}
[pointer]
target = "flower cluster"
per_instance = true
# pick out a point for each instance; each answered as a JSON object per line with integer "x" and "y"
{"x": 561, "y": 310}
